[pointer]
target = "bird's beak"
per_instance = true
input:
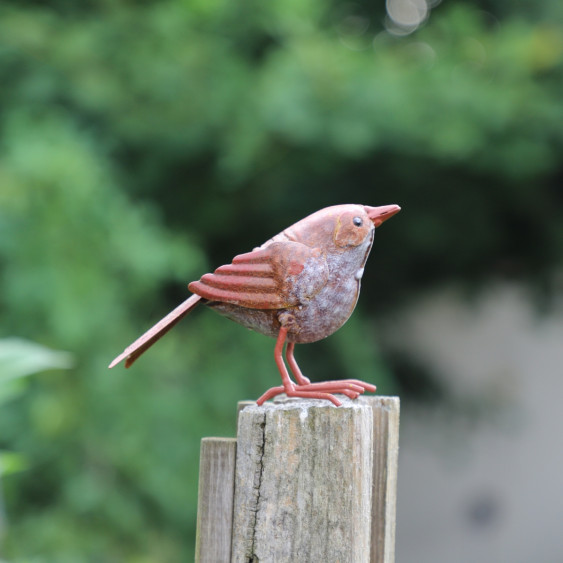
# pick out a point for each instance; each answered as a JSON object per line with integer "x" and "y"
{"x": 382, "y": 213}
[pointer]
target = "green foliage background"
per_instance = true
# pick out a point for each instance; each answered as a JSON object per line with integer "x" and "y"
{"x": 144, "y": 143}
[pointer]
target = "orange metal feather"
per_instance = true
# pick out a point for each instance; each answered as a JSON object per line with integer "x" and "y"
{"x": 132, "y": 352}
{"x": 266, "y": 278}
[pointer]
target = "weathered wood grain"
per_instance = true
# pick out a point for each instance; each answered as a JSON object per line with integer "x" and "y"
{"x": 303, "y": 483}
{"x": 385, "y": 466}
{"x": 241, "y": 405}
{"x": 215, "y": 500}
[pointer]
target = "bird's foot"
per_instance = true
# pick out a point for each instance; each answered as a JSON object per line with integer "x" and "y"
{"x": 270, "y": 394}
{"x": 295, "y": 391}
{"x": 340, "y": 386}
{"x": 351, "y": 388}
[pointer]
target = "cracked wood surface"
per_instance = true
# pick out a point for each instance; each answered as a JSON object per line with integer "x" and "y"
{"x": 303, "y": 483}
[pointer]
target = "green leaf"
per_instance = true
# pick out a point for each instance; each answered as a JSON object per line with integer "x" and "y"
{"x": 19, "y": 358}
{"x": 11, "y": 462}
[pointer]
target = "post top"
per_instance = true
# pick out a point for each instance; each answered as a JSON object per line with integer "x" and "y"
{"x": 288, "y": 403}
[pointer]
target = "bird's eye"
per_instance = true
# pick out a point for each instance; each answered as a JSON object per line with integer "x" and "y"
{"x": 357, "y": 221}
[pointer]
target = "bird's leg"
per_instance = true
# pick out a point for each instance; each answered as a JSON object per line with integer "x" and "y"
{"x": 287, "y": 383}
{"x": 299, "y": 377}
{"x": 349, "y": 387}
{"x": 288, "y": 387}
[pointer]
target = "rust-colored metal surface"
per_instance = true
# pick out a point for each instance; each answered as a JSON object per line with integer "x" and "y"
{"x": 300, "y": 286}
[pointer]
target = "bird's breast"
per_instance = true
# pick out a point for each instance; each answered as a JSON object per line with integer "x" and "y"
{"x": 327, "y": 312}
{"x": 334, "y": 304}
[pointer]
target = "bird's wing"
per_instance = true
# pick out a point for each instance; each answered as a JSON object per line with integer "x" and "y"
{"x": 277, "y": 276}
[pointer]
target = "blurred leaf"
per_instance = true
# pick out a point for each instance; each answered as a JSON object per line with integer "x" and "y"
{"x": 11, "y": 462}
{"x": 19, "y": 358}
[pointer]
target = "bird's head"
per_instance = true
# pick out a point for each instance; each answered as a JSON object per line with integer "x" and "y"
{"x": 340, "y": 227}
{"x": 355, "y": 223}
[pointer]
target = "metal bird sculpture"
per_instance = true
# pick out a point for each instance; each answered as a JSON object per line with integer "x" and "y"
{"x": 300, "y": 286}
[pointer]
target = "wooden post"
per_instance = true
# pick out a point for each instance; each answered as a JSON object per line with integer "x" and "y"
{"x": 241, "y": 405}
{"x": 313, "y": 483}
{"x": 303, "y": 483}
{"x": 385, "y": 467}
{"x": 215, "y": 500}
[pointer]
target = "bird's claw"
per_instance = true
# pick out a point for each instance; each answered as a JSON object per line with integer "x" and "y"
{"x": 351, "y": 388}
{"x": 296, "y": 392}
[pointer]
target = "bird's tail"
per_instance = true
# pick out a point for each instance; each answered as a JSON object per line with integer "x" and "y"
{"x": 132, "y": 352}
